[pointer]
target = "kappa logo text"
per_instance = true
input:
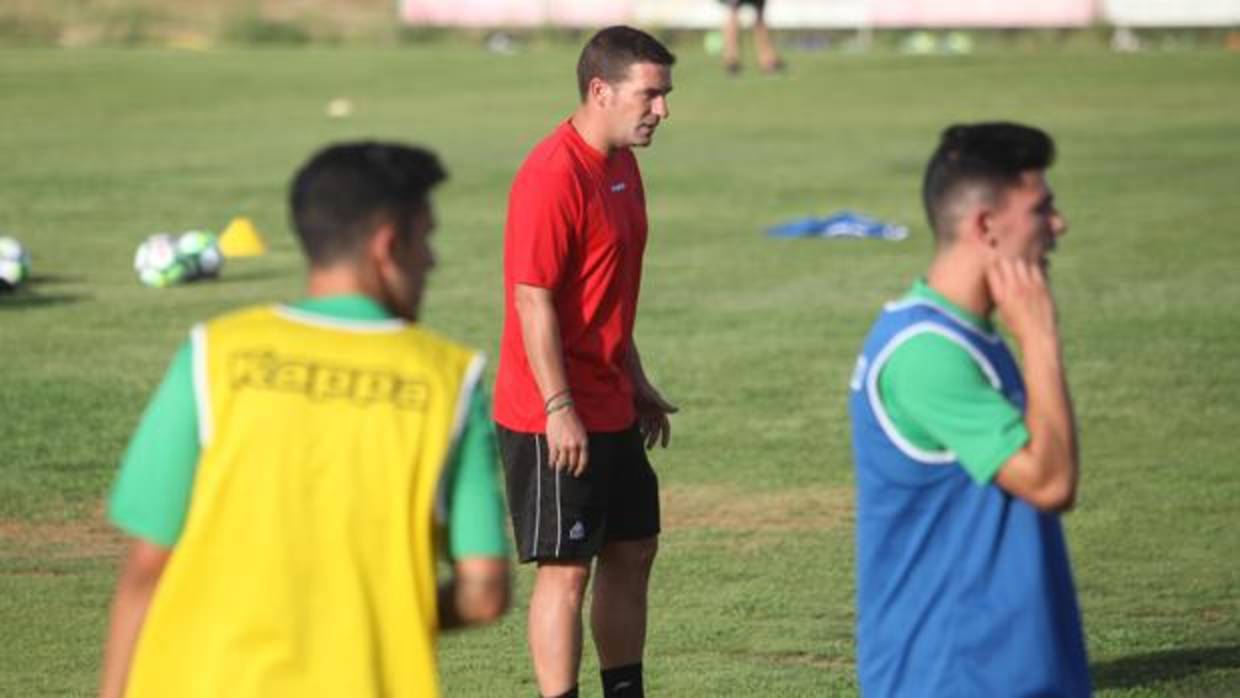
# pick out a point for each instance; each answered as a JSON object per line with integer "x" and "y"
{"x": 266, "y": 370}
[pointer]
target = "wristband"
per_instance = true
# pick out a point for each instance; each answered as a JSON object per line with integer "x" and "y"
{"x": 566, "y": 402}
{"x": 547, "y": 402}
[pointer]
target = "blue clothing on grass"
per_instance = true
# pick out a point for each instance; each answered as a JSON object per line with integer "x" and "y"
{"x": 962, "y": 589}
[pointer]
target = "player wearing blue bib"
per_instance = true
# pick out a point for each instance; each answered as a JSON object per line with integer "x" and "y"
{"x": 963, "y": 465}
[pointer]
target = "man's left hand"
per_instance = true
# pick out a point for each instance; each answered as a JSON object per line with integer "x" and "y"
{"x": 652, "y": 412}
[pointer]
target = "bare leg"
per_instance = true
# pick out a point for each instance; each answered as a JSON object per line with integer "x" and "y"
{"x": 555, "y": 624}
{"x": 618, "y": 611}
{"x": 731, "y": 41}
{"x": 768, "y": 58}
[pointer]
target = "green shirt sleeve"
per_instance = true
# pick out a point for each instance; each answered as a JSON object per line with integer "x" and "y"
{"x": 939, "y": 399}
{"x": 476, "y": 519}
{"x": 151, "y": 494}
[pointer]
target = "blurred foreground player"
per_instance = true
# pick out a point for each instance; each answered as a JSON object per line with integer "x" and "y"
{"x": 963, "y": 464}
{"x": 289, "y": 484}
{"x": 572, "y": 401}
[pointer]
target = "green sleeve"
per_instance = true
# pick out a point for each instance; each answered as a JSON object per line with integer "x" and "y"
{"x": 939, "y": 399}
{"x": 476, "y": 520}
{"x": 151, "y": 494}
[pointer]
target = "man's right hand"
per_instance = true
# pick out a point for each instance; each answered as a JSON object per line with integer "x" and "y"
{"x": 1023, "y": 299}
{"x": 567, "y": 443}
{"x": 1045, "y": 471}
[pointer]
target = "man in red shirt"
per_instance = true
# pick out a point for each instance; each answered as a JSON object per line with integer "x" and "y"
{"x": 573, "y": 405}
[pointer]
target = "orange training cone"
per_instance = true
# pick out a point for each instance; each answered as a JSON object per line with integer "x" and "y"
{"x": 241, "y": 239}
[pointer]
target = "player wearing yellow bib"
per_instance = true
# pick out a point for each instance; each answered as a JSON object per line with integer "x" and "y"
{"x": 290, "y": 484}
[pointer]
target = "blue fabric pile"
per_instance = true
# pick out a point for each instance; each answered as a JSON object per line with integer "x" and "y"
{"x": 843, "y": 224}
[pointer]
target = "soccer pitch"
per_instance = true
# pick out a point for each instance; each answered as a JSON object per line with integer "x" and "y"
{"x": 753, "y": 338}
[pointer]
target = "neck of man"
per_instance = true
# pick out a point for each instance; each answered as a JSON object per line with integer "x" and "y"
{"x": 961, "y": 278}
{"x": 337, "y": 280}
{"x": 590, "y": 126}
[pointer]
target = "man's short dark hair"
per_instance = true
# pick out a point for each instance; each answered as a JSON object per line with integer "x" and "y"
{"x": 979, "y": 159}
{"x": 347, "y": 190}
{"x": 610, "y": 52}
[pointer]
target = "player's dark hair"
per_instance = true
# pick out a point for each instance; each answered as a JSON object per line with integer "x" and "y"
{"x": 610, "y": 52}
{"x": 347, "y": 190}
{"x": 986, "y": 159}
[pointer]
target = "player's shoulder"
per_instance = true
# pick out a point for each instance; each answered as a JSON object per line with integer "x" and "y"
{"x": 429, "y": 341}
{"x": 428, "y": 350}
{"x": 929, "y": 346}
{"x": 552, "y": 158}
{"x": 930, "y": 359}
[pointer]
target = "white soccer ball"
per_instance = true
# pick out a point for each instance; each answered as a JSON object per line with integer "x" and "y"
{"x": 14, "y": 263}
{"x": 204, "y": 249}
{"x": 158, "y": 263}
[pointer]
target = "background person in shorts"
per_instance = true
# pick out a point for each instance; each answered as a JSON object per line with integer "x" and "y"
{"x": 574, "y": 407}
{"x": 964, "y": 462}
{"x": 287, "y": 488}
{"x": 768, "y": 58}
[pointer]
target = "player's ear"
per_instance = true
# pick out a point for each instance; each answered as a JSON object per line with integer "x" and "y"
{"x": 977, "y": 226}
{"x": 381, "y": 248}
{"x": 598, "y": 91}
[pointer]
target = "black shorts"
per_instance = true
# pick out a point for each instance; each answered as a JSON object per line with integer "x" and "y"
{"x": 756, "y": 4}
{"x": 556, "y": 516}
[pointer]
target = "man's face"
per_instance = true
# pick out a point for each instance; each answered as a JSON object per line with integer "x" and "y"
{"x": 412, "y": 260}
{"x": 636, "y": 104}
{"x": 1025, "y": 224}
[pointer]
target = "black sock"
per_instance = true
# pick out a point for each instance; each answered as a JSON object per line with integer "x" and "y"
{"x": 623, "y": 682}
{"x": 570, "y": 693}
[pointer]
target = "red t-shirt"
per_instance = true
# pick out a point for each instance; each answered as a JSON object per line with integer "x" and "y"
{"x": 576, "y": 225}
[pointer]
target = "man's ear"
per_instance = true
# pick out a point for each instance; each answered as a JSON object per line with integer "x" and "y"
{"x": 598, "y": 91}
{"x": 977, "y": 226}
{"x": 381, "y": 247}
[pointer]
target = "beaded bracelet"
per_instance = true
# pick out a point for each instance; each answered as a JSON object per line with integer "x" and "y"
{"x": 547, "y": 402}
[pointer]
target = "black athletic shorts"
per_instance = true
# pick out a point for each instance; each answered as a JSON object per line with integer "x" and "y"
{"x": 758, "y": 4}
{"x": 556, "y": 516}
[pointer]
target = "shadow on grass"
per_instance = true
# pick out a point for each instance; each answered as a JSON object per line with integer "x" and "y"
{"x": 28, "y": 295}
{"x": 27, "y": 300}
{"x": 53, "y": 279}
{"x": 1142, "y": 670}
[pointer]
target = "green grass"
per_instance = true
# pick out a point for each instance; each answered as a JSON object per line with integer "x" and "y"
{"x": 753, "y": 337}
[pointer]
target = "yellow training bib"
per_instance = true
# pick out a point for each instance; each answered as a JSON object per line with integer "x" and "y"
{"x": 307, "y": 562}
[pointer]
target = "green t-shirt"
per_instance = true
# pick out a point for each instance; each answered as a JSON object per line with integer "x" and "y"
{"x": 151, "y": 495}
{"x": 939, "y": 399}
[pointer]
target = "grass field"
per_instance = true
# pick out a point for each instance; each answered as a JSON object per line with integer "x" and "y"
{"x": 753, "y": 337}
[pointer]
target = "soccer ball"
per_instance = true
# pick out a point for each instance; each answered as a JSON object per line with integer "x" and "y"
{"x": 164, "y": 259}
{"x": 14, "y": 263}
{"x": 158, "y": 263}
{"x": 204, "y": 249}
